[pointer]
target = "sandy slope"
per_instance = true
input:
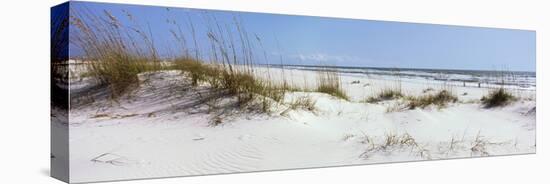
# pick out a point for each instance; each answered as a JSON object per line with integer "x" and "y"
{"x": 164, "y": 130}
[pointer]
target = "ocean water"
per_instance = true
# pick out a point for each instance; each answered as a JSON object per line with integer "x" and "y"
{"x": 483, "y": 78}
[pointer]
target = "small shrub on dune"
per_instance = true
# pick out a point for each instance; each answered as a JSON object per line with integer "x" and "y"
{"x": 496, "y": 98}
{"x": 440, "y": 99}
{"x": 329, "y": 82}
{"x": 385, "y": 94}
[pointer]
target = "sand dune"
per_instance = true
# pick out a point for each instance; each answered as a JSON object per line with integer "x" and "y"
{"x": 164, "y": 128}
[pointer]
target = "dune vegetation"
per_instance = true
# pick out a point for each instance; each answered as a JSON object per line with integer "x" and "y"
{"x": 115, "y": 54}
{"x": 498, "y": 97}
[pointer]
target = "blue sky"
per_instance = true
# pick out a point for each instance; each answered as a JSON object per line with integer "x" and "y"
{"x": 343, "y": 42}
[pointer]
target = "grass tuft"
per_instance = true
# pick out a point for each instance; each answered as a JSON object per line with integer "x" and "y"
{"x": 303, "y": 102}
{"x": 120, "y": 72}
{"x": 440, "y": 99}
{"x": 329, "y": 82}
{"x": 385, "y": 94}
{"x": 496, "y": 98}
{"x": 394, "y": 142}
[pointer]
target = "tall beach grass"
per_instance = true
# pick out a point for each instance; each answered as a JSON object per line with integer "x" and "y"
{"x": 116, "y": 53}
{"x": 329, "y": 82}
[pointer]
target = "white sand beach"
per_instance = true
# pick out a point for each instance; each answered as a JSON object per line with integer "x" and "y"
{"x": 164, "y": 128}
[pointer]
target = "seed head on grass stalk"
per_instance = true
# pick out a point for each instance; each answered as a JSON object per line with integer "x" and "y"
{"x": 230, "y": 71}
{"x": 115, "y": 53}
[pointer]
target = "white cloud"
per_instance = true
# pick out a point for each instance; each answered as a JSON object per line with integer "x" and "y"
{"x": 322, "y": 57}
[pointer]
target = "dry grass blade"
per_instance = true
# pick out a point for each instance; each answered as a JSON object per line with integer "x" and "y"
{"x": 329, "y": 82}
